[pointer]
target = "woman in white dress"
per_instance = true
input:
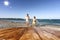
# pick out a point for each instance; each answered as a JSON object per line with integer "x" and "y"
{"x": 27, "y": 19}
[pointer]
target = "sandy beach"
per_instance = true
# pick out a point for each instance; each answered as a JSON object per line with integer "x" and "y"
{"x": 19, "y": 31}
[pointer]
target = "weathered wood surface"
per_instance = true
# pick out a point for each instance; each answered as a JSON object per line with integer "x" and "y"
{"x": 29, "y": 33}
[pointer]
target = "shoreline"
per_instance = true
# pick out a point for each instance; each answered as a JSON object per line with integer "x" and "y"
{"x": 19, "y": 31}
{"x": 7, "y": 24}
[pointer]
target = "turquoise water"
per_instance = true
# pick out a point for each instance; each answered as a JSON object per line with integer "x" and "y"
{"x": 49, "y": 21}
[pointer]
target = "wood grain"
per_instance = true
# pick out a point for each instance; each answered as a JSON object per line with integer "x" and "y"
{"x": 29, "y": 33}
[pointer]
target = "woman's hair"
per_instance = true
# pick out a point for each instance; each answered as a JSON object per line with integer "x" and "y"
{"x": 27, "y": 14}
{"x": 34, "y": 17}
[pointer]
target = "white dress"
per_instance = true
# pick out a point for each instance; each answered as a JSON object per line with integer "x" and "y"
{"x": 27, "y": 19}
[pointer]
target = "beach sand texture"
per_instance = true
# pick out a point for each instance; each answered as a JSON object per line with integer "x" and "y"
{"x": 29, "y": 33}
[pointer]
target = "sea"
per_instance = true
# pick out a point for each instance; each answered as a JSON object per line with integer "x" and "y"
{"x": 39, "y": 21}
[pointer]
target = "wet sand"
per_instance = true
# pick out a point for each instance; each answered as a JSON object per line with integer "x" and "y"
{"x": 7, "y": 24}
{"x": 29, "y": 33}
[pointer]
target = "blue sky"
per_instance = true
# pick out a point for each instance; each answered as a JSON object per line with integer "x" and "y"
{"x": 42, "y": 9}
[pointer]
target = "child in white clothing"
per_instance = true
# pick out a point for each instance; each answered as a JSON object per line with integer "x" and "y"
{"x": 34, "y": 21}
